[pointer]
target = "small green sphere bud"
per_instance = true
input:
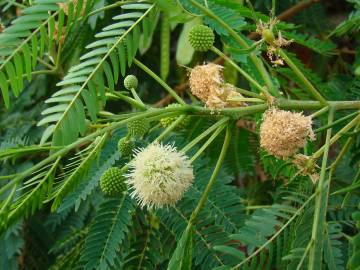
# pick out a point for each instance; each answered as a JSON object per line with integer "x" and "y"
{"x": 201, "y": 38}
{"x": 138, "y": 128}
{"x": 167, "y": 121}
{"x": 112, "y": 182}
{"x": 130, "y": 82}
{"x": 125, "y": 146}
{"x": 268, "y": 36}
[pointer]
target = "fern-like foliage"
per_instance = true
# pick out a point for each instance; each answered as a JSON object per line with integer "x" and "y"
{"x": 84, "y": 86}
{"x": 261, "y": 225}
{"x": 354, "y": 260}
{"x": 221, "y": 216}
{"x": 107, "y": 233}
{"x": 333, "y": 248}
{"x": 351, "y": 24}
{"x": 312, "y": 76}
{"x": 76, "y": 169}
{"x": 11, "y": 243}
{"x": 88, "y": 182}
{"x": 36, "y": 190}
{"x": 29, "y": 38}
{"x": 319, "y": 46}
{"x": 146, "y": 249}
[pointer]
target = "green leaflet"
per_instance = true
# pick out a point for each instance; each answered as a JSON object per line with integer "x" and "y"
{"x": 182, "y": 256}
{"x": 107, "y": 233}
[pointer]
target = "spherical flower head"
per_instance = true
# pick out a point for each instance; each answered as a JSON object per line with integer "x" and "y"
{"x": 283, "y": 133}
{"x": 126, "y": 146}
{"x": 130, "y": 82}
{"x": 167, "y": 121}
{"x": 138, "y": 128}
{"x": 201, "y": 38}
{"x": 159, "y": 175}
{"x": 112, "y": 182}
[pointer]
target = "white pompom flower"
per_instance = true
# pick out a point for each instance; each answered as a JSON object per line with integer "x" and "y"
{"x": 159, "y": 175}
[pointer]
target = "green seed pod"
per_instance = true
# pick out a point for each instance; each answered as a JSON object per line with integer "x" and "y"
{"x": 357, "y": 71}
{"x": 167, "y": 121}
{"x": 112, "y": 182}
{"x": 125, "y": 146}
{"x": 165, "y": 46}
{"x": 138, "y": 128}
{"x": 130, "y": 82}
{"x": 201, "y": 38}
{"x": 268, "y": 36}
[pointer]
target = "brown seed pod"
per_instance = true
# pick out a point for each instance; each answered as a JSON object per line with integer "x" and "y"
{"x": 207, "y": 83}
{"x": 283, "y": 133}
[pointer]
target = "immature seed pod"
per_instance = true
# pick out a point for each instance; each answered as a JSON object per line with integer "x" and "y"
{"x": 268, "y": 36}
{"x": 112, "y": 182}
{"x": 138, "y": 128}
{"x": 283, "y": 133}
{"x": 201, "y": 38}
{"x": 167, "y": 121}
{"x": 126, "y": 146}
{"x": 130, "y": 82}
{"x": 357, "y": 71}
{"x": 159, "y": 175}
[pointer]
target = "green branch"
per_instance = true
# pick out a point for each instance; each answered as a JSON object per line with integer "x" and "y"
{"x": 213, "y": 177}
{"x": 159, "y": 80}
{"x": 204, "y": 134}
{"x": 275, "y": 235}
{"x": 337, "y": 136}
{"x": 321, "y": 202}
{"x": 309, "y": 87}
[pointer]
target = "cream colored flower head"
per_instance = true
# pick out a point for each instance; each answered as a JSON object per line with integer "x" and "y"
{"x": 159, "y": 175}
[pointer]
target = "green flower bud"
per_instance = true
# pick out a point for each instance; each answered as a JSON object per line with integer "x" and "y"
{"x": 125, "y": 146}
{"x": 130, "y": 82}
{"x": 138, "y": 128}
{"x": 112, "y": 182}
{"x": 201, "y": 38}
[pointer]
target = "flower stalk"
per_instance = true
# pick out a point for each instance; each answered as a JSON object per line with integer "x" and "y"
{"x": 213, "y": 177}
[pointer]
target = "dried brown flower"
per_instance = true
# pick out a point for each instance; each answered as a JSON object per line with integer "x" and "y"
{"x": 266, "y": 30}
{"x": 307, "y": 166}
{"x": 283, "y": 133}
{"x": 65, "y": 6}
{"x": 56, "y": 31}
{"x": 207, "y": 83}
